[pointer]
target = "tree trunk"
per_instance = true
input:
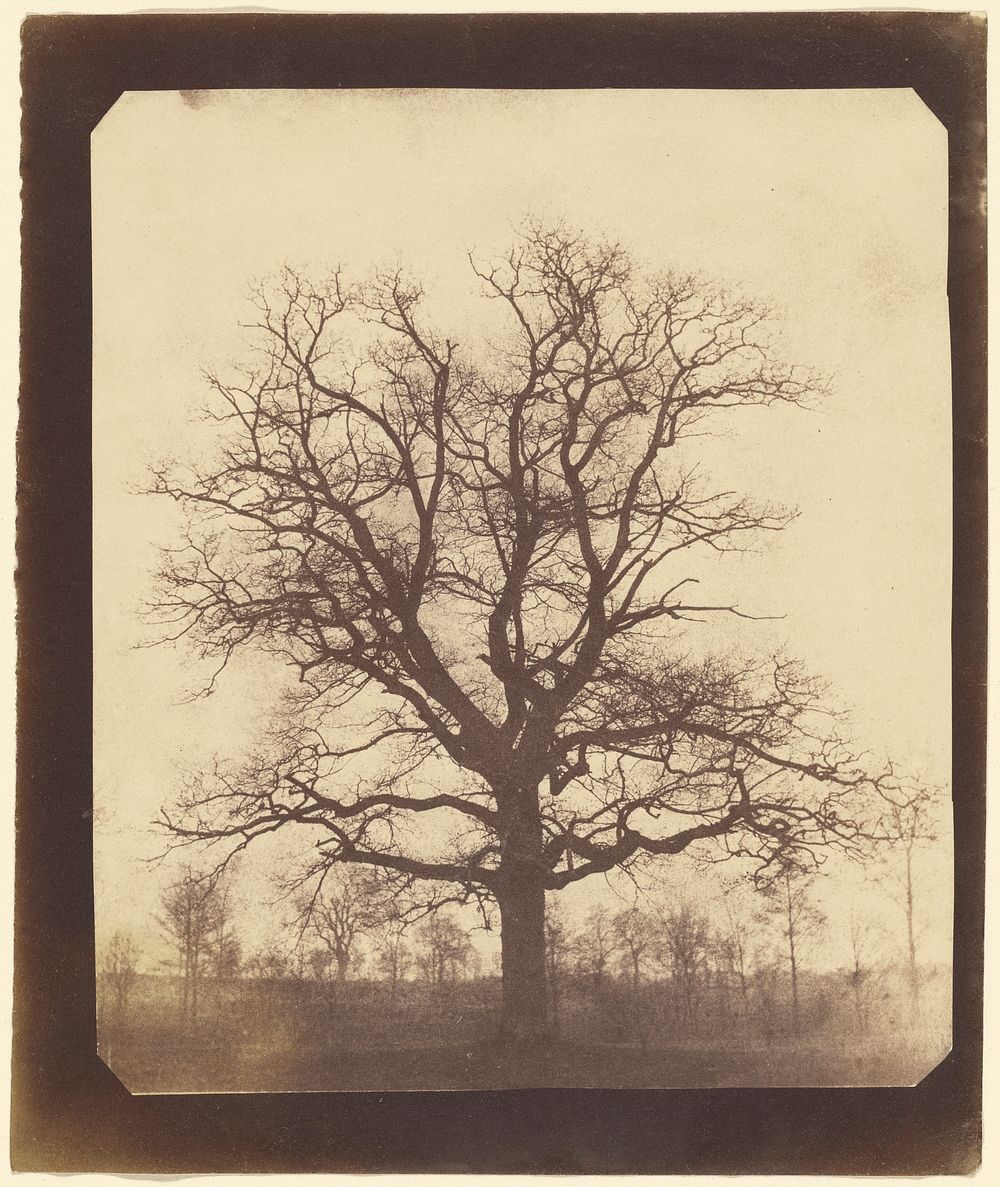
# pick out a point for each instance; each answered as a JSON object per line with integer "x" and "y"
{"x": 184, "y": 987}
{"x": 343, "y": 960}
{"x": 910, "y": 939}
{"x": 792, "y": 961}
{"x": 195, "y": 973}
{"x": 521, "y": 898}
{"x": 555, "y": 993}
{"x": 744, "y": 990}
{"x": 856, "y": 985}
{"x": 523, "y": 1027}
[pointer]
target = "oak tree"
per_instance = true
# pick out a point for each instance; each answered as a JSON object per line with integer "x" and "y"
{"x": 472, "y": 557}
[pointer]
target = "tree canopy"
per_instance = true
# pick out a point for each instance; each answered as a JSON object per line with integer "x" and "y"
{"x": 473, "y": 558}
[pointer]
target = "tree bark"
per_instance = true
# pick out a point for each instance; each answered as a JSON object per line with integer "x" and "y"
{"x": 521, "y": 898}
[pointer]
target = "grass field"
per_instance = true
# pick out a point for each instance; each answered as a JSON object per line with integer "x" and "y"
{"x": 293, "y": 1038}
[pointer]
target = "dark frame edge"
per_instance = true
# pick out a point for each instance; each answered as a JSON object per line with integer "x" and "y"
{"x": 69, "y": 1113}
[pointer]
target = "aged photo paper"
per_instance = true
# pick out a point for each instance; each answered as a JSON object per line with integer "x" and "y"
{"x": 522, "y": 589}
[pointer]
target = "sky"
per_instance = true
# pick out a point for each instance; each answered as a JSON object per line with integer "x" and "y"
{"x": 831, "y": 205}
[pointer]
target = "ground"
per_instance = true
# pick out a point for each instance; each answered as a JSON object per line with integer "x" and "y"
{"x": 301, "y": 1038}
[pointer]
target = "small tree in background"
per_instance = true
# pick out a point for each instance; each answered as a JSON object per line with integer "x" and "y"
{"x": 558, "y": 949}
{"x": 686, "y": 937}
{"x": 317, "y": 962}
{"x": 739, "y": 921}
{"x": 595, "y": 945}
{"x": 444, "y": 949}
{"x": 194, "y": 918}
{"x": 800, "y": 921}
{"x": 271, "y": 962}
{"x": 635, "y": 930}
{"x": 865, "y": 938}
{"x": 911, "y": 825}
{"x": 394, "y": 955}
{"x": 118, "y": 974}
{"x": 226, "y": 952}
{"x": 348, "y": 905}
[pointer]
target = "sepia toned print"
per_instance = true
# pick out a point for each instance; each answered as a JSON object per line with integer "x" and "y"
{"x": 522, "y": 578}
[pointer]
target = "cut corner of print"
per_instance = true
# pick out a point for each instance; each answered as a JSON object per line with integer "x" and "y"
{"x": 935, "y": 1061}
{"x": 105, "y": 1051}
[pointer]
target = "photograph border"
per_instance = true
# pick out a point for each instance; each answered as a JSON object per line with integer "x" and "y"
{"x": 70, "y": 1114}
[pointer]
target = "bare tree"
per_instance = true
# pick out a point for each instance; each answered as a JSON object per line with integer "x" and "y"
{"x": 348, "y": 905}
{"x": 444, "y": 949}
{"x": 318, "y": 961}
{"x": 739, "y": 923}
{"x": 271, "y": 962}
{"x": 194, "y": 917}
{"x": 558, "y": 947}
{"x": 911, "y": 825}
{"x": 686, "y": 938}
{"x": 119, "y": 972}
{"x": 636, "y": 931}
{"x": 394, "y": 955}
{"x": 800, "y": 920}
{"x": 472, "y": 564}
{"x": 864, "y": 936}
{"x": 596, "y": 944}
{"x": 723, "y": 977}
{"x": 225, "y": 950}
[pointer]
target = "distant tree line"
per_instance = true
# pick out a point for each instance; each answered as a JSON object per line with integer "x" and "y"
{"x": 745, "y": 958}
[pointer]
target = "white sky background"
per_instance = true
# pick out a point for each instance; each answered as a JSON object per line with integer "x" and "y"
{"x": 830, "y": 204}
